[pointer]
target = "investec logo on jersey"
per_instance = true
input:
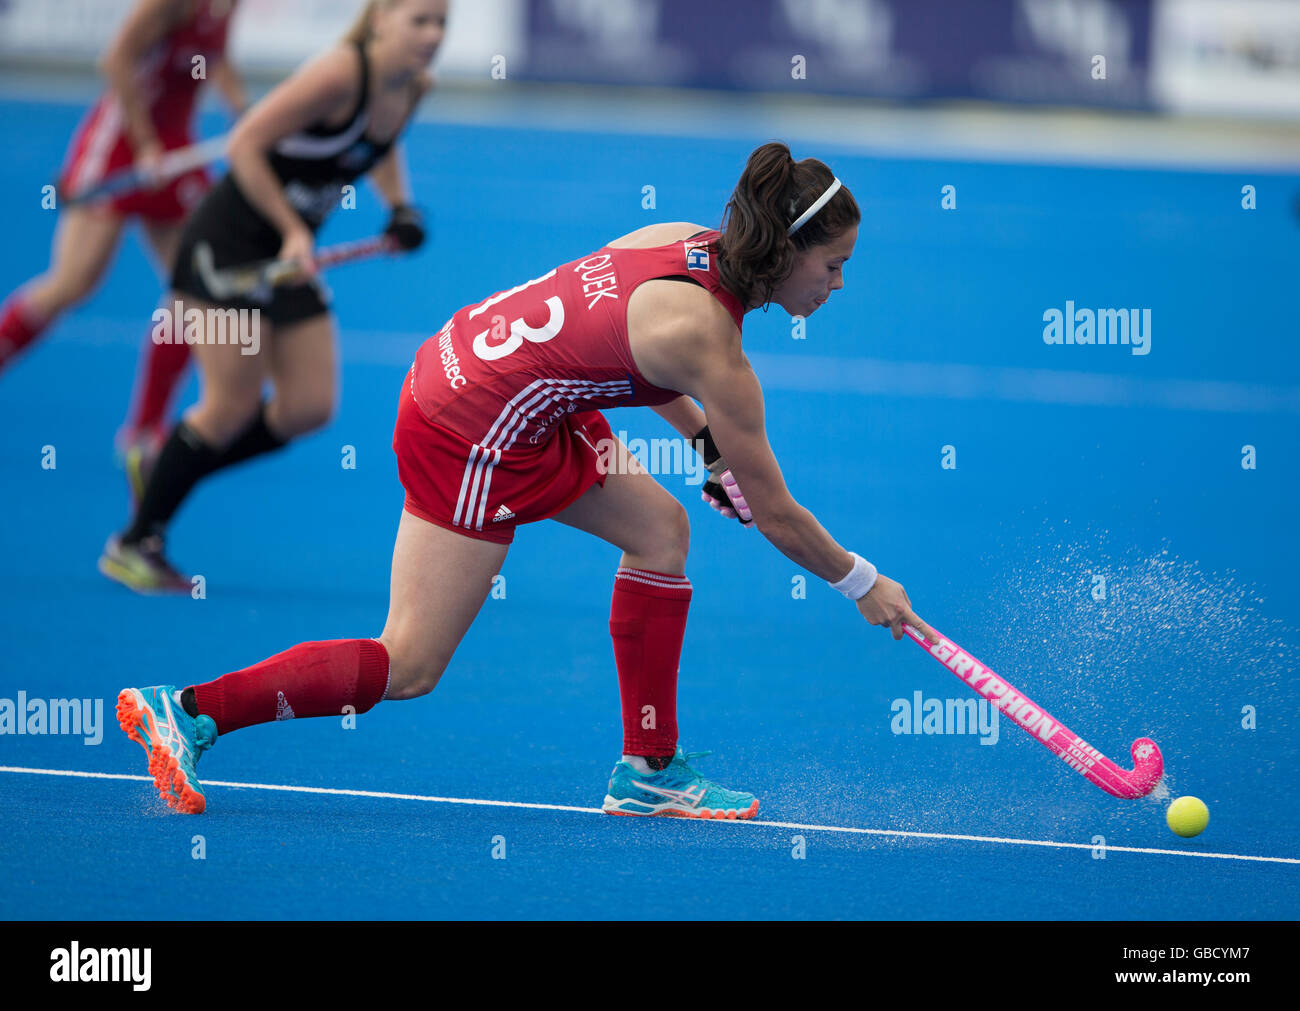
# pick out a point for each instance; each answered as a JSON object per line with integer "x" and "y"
{"x": 993, "y": 688}
{"x": 450, "y": 360}
{"x": 598, "y": 278}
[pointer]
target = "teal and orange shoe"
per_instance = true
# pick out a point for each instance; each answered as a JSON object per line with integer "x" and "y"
{"x": 173, "y": 740}
{"x": 676, "y": 791}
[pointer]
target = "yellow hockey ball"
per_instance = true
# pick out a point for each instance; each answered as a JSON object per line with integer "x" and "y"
{"x": 1188, "y": 816}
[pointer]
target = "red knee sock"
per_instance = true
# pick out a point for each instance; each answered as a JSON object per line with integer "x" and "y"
{"x": 647, "y": 620}
{"x": 312, "y": 679}
{"x": 19, "y": 326}
{"x": 160, "y": 374}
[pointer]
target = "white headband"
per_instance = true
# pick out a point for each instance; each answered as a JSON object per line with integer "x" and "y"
{"x": 818, "y": 204}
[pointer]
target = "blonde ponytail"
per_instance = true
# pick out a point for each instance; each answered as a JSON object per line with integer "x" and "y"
{"x": 359, "y": 33}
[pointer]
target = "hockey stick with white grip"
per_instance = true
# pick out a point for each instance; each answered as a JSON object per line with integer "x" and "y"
{"x": 243, "y": 280}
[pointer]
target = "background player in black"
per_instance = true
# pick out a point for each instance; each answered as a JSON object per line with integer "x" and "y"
{"x": 333, "y": 121}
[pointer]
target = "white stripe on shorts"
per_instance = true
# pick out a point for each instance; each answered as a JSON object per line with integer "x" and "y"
{"x": 510, "y": 423}
{"x": 104, "y": 133}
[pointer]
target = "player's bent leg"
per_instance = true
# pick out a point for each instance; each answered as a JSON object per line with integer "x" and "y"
{"x": 650, "y": 601}
{"x": 230, "y": 378}
{"x": 302, "y": 362}
{"x": 141, "y": 437}
{"x": 83, "y": 246}
{"x": 634, "y": 512}
{"x": 232, "y": 398}
{"x": 648, "y": 612}
{"x": 303, "y": 365}
{"x": 440, "y": 580}
{"x": 162, "y": 366}
{"x": 207, "y": 439}
{"x": 175, "y": 727}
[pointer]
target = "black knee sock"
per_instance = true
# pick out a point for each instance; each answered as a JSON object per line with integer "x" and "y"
{"x": 253, "y": 441}
{"x": 184, "y": 460}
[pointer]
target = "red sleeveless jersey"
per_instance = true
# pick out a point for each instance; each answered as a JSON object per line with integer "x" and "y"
{"x": 502, "y": 373}
{"x": 167, "y": 75}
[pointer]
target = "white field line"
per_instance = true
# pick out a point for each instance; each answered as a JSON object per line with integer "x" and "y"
{"x": 900, "y": 833}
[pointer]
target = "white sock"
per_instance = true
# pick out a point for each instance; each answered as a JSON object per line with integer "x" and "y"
{"x": 638, "y": 763}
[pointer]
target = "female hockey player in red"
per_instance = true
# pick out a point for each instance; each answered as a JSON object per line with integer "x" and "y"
{"x": 335, "y": 120}
{"x": 163, "y": 53}
{"x": 498, "y": 424}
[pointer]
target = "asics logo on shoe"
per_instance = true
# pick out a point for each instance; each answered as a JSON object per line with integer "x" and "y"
{"x": 166, "y": 727}
{"x": 692, "y": 795}
{"x": 283, "y": 711}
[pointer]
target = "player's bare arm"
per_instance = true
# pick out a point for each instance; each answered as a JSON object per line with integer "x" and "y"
{"x": 684, "y": 415}
{"x": 392, "y": 180}
{"x": 696, "y": 348}
{"x": 231, "y": 85}
{"x": 317, "y": 92}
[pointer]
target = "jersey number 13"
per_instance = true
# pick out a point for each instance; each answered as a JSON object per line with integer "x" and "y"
{"x": 519, "y": 330}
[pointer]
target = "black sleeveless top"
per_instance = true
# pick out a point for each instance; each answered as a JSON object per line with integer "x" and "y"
{"x": 314, "y": 164}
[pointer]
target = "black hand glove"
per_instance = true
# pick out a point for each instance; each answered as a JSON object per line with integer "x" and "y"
{"x": 712, "y": 491}
{"x": 406, "y": 227}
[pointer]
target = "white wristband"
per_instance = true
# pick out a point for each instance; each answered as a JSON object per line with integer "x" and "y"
{"x": 859, "y": 581}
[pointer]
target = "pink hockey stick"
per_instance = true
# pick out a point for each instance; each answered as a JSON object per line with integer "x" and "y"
{"x": 1078, "y": 754}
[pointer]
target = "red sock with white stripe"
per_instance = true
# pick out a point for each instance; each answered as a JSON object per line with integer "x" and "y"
{"x": 19, "y": 326}
{"x": 312, "y": 679}
{"x": 160, "y": 374}
{"x": 647, "y": 620}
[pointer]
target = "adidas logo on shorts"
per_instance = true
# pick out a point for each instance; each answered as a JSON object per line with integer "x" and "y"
{"x": 502, "y": 514}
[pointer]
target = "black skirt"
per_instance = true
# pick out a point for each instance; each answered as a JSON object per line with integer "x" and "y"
{"x": 238, "y": 235}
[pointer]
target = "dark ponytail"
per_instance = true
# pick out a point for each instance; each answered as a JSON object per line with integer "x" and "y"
{"x": 754, "y": 252}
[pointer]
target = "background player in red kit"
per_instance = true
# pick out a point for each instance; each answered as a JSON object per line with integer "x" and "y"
{"x": 338, "y": 118}
{"x": 498, "y": 425}
{"x": 153, "y": 87}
